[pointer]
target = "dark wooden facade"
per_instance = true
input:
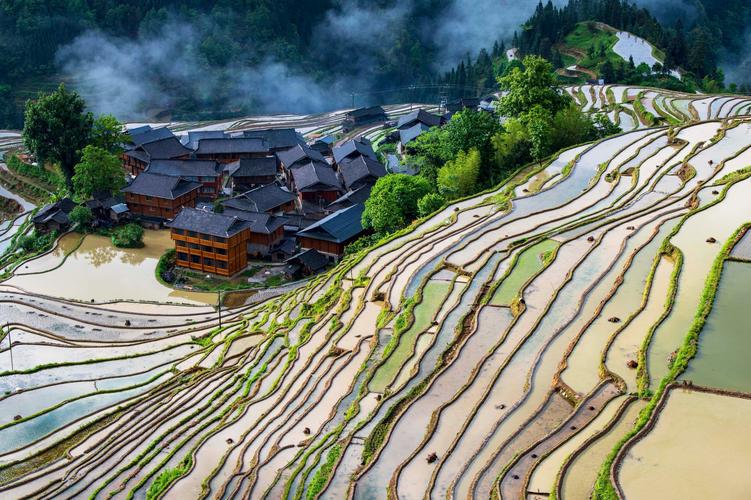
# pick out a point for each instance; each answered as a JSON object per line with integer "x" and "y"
{"x": 260, "y": 244}
{"x": 211, "y": 254}
{"x": 152, "y": 206}
{"x": 225, "y": 158}
{"x": 323, "y": 246}
{"x": 133, "y": 165}
{"x": 315, "y": 196}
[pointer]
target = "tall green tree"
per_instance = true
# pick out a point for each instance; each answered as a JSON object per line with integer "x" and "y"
{"x": 458, "y": 177}
{"x": 57, "y": 128}
{"x": 393, "y": 202}
{"x": 540, "y": 132}
{"x": 99, "y": 171}
{"x": 108, "y": 133}
{"x": 534, "y": 86}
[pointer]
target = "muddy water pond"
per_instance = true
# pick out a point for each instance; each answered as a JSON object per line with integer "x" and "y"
{"x": 671, "y": 460}
{"x": 110, "y": 273}
{"x": 722, "y": 358}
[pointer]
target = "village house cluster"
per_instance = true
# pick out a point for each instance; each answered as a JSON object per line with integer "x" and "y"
{"x": 229, "y": 197}
{"x": 232, "y": 197}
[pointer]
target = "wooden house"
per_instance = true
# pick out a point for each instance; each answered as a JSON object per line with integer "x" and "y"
{"x": 270, "y": 199}
{"x": 54, "y": 217}
{"x": 249, "y": 173}
{"x": 331, "y": 234}
{"x": 231, "y": 149}
{"x": 209, "y": 242}
{"x": 160, "y": 196}
{"x": 209, "y": 173}
{"x": 363, "y": 116}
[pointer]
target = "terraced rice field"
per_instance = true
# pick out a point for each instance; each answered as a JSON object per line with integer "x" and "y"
{"x": 568, "y": 342}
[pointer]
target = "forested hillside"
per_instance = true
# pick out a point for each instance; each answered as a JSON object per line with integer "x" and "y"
{"x": 199, "y": 58}
{"x": 696, "y": 36}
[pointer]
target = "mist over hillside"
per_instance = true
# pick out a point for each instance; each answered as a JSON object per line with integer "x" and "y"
{"x": 206, "y": 59}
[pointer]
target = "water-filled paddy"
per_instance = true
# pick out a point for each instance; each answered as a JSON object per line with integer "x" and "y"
{"x": 110, "y": 273}
{"x": 671, "y": 460}
{"x": 722, "y": 360}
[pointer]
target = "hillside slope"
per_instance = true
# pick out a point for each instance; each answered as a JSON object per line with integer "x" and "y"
{"x": 472, "y": 353}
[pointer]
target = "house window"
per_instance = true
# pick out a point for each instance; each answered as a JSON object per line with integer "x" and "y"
{"x": 182, "y": 256}
{"x": 207, "y": 249}
{"x": 178, "y": 231}
{"x": 219, "y": 239}
{"x": 180, "y": 243}
{"x": 208, "y": 262}
{"x": 148, "y": 198}
{"x": 196, "y": 259}
{"x": 192, "y": 234}
{"x": 221, "y": 264}
{"x": 221, "y": 251}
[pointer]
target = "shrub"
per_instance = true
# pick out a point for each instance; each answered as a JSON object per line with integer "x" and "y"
{"x": 81, "y": 215}
{"x": 128, "y": 236}
{"x": 429, "y": 203}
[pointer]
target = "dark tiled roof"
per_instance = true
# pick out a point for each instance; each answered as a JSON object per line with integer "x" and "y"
{"x": 409, "y": 134}
{"x": 260, "y": 223}
{"x": 359, "y": 195}
{"x": 359, "y": 168}
{"x": 191, "y": 140}
{"x": 289, "y": 157}
{"x": 352, "y": 147}
{"x": 185, "y": 168}
{"x": 327, "y": 139}
{"x": 260, "y": 199}
{"x": 146, "y": 134}
{"x": 277, "y": 138}
{"x": 205, "y": 222}
{"x": 160, "y": 186}
{"x": 57, "y": 211}
{"x": 418, "y": 116}
{"x": 315, "y": 176}
{"x": 337, "y": 227}
{"x": 312, "y": 259}
{"x": 253, "y": 167}
{"x": 231, "y": 146}
{"x": 369, "y": 111}
{"x": 164, "y": 149}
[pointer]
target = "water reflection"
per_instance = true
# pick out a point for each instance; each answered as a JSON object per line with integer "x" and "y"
{"x": 108, "y": 273}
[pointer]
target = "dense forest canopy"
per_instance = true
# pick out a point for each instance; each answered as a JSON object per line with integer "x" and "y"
{"x": 704, "y": 39}
{"x": 203, "y": 59}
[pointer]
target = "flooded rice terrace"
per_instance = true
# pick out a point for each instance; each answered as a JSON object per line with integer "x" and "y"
{"x": 504, "y": 350}
{"x": 94, "y": 269}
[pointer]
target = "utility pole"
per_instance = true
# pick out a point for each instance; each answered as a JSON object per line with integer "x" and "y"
{"x": 219, "y": 305}
{"x": 10, "y": 346}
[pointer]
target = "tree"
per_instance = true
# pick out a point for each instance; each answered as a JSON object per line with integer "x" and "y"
{"x": 571, "y": 126}
{"x": 535, "y": 85}
{"x": 98, "y": 171}
{"x": 470, "y": 129}
{"x": 128, "y": 236}
{"x": 108, "y": 133}
{"x": 540, "y": 132}
{"x": 604, "y": 127}
{"x": 81, "y": 215}
{"x": 56, "y": 128}
{"x": 429, "y": 204}
{"x": 458, "y": 178}
{"x": 393, "y": 202}
{"x": 511, "y": 148}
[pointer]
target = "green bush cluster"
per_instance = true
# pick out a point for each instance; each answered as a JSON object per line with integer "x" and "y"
{"x": 128, "y": 236}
